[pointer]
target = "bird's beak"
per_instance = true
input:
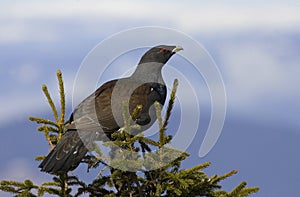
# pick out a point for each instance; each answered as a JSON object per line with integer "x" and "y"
{"x": 176, "y": 49}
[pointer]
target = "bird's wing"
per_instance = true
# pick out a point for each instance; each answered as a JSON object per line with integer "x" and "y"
{"x": 103, "y": 110}
{"x": 85, "y": 115}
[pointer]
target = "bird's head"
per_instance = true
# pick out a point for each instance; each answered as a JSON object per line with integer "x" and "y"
{"x": 159, "y": 54}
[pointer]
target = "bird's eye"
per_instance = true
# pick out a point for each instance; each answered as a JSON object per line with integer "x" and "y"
{"x": 162, "y": 50}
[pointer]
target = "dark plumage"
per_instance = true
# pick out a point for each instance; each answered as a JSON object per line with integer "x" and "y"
{"x": 100, "y": 114}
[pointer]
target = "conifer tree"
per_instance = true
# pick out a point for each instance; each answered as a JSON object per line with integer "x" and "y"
{"x": 134, "y": 171}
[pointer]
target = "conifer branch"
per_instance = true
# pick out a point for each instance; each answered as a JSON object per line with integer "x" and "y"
{"x": 62, "y": 98}
{"x": 43, "y": 121}
{"x": 220, "y": 178}
{"x": 171, "y": 103}
{"x": 238, "y": 189}
{"x": 48, "y": 128}
{"x": 196, "y": 168}
{"x": 47, "y": 136}
{"x": 136, "y": 112}
{"x": 50, "y": 101}
{"x": 64, "y": 184}
{"x": 160, "y": 123}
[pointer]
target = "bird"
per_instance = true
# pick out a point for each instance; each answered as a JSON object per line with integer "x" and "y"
{"x": 100, "y": 114}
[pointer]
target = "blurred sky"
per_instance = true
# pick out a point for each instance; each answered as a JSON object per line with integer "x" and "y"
{"x": 255, "y": 44}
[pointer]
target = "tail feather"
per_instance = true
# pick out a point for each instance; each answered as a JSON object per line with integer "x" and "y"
{"x": 66, "y": 155}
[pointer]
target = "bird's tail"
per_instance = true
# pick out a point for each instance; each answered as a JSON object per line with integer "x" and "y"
{"x": 66, "y": 155}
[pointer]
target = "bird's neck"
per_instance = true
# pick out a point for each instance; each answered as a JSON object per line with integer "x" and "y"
{"x": 149, "y": 72}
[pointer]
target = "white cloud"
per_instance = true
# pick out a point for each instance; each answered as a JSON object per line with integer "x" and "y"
{"x": 27, "y": 73}
{"x": 20, "y": 103}
{"x": 254, "y": 70}
{"x": 17, "y": 107}
{"x": 26, "y": 20}
{"x": 261, "y": 79}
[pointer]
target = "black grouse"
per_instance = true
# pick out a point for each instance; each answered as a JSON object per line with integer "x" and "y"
{"x": 100, "y": 114}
